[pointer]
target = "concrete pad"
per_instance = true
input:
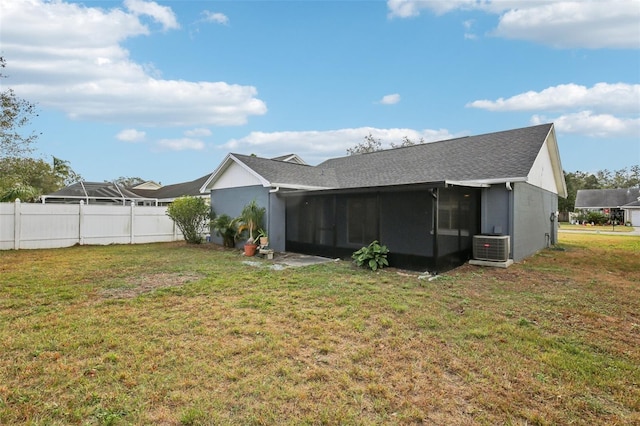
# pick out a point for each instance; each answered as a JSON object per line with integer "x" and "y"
{"x": 281, "y": 261}
{"x": 297, "y": 260}
{"x": 493, "y": 264}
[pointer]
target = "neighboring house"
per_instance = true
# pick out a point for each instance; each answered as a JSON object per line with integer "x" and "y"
{"x": 147, "y": 194}
{"x": 165, "y": 195}
{"x": 95, "y": 193}
{"x": 147, "y": 185}
{"x": 622, "y": 204}
{"x": 425, "y": 202}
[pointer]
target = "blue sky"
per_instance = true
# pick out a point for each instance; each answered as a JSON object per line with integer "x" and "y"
{"x": 164, "y": 90}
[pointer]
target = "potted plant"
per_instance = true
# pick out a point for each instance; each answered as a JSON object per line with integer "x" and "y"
{"x": 251, "y": 218}
{"x": 262, "y": 238}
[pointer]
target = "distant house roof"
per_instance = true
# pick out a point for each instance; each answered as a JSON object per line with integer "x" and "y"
{"x": 171, "y": 192}
{"x": 92, "y": 192}
{"x": 290, "y": 158}
{"x": 607, "y": 198}
{"x": 506, "y": 156}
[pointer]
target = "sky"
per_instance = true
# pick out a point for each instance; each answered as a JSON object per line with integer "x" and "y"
{"x": 165, "y": 90}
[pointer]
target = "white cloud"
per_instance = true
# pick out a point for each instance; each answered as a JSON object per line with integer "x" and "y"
{"x": 593, "y": 125}
{"x": 162, "y": 14}
{"x": 216, "y": 17}
{"x": 69, "y": 57}
{"x": 604, "y": 110}
{"x": 618, "y": 97}
{"x": 390, "y": 99}
{"x": 181, "y": 144}
{"x": 468, "y": 26}
{"x": 410, "y": 8}
{"x": 131, "y": 135}
{"x": 565, "y": 24}
{"x": 317, "y": 146}
{"x": 589, "y": 24}
{"x": 199, "y": 132}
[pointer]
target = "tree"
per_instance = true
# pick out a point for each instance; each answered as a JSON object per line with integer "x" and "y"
{"x": 191, "y": 215}
{"x": 406, "y": 142}
{"x": 16, "y": 114}
{"x": 129, "y": 182}
{"x": 23, "y": 192}
{"x": 17, "y": 173}
{"x": 370, "y": 144}
{"x": 63, "y": 171}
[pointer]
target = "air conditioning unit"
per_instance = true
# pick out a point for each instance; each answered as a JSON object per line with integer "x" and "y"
{"x": 494, "y": 248}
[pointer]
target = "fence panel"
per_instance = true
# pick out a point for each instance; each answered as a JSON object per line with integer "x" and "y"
{"x": 153, "y": 225}
{"x": 57, "y": 225}
{"x": 7, "y": 226}
{"x": 37, "y": 226}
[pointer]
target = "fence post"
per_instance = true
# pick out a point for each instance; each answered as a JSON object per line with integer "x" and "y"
{"x": 81, "y": 223}
{"x": 17, "y": 224}
{"x": 132, "y": 236}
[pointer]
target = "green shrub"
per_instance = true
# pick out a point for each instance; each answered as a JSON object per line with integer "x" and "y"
{"x": 596, "y": 218}
{"x": 191, "y": 215}
{"x": 227, "y": 228}
{"x": 373, "y": 256}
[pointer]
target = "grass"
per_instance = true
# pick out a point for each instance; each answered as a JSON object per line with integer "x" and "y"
{"x": 178, "y": 335}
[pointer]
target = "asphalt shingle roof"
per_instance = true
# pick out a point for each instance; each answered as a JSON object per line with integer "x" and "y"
{"x": 176, "y": 190}
{"x": 500, "y": 155}
{"x": 599, "y": 198}
{"x": 283, "y": 172}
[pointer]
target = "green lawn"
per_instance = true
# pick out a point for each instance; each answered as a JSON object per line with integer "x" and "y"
{"x": 186, "y": 335}
{"x": 605, "y": 228}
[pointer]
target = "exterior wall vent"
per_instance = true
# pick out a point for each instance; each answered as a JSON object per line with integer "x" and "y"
{"x": 493, "y": 248}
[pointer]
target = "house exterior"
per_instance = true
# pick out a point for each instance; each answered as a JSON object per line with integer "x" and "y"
{"x": 165, "y": 195}
{"x": 622, "y": 204}
{"x": 424, "y": 202}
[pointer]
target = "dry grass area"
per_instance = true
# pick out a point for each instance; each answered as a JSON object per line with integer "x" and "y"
{"x": 168, "y": 334}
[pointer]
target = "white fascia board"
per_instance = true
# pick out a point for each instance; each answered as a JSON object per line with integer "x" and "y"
{"x": 304, "y": 187}
{"x": 470, "y": 183}
{"x": 228, "y": 160}
{"x": 554, "y": 153}
{"x": 486, "y": 182}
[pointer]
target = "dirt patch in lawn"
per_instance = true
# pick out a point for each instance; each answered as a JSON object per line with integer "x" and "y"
{"x": 136, "y": 286}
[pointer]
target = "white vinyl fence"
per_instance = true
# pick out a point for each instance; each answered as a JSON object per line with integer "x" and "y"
{"x": 38, "y": 226}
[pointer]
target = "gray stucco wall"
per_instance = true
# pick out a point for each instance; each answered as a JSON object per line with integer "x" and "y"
{"x": 231, "y": 201}
{"x": 496, "y": 210}
{"x": 276, "y": 225}
{"x": 523, "y": 213}
{"x": 533, "y": 229}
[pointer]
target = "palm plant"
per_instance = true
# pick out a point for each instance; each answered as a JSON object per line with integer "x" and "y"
{"x": 251, "y": 218}
{"x": 227, "y": 228}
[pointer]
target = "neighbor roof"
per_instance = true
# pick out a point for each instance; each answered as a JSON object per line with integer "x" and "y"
{"x": 171, "y": 192}
{"x": 94, "y": 191}
{"x": 606, "y": 198}
{"x": 505, "y": 156}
